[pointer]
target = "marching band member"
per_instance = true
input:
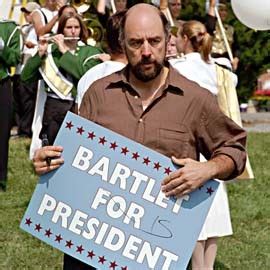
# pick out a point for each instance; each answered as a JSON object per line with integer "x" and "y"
{"x": 10, "y": 54}
{"x": 61, "y": 61}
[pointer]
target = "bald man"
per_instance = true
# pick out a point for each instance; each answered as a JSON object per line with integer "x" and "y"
{"x": 152, "y": 104}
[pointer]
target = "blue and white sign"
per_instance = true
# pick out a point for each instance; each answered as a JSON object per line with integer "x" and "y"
{"x": 104, "y": 206}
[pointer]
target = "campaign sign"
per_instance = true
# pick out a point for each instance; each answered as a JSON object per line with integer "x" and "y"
{"x": 104, "y": 205}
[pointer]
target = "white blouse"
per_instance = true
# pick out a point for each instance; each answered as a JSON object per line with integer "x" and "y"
{"x": 193, "y": 67}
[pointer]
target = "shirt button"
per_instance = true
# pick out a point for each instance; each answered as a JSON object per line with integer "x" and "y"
{"x": 140, "y": 120}
{"x": 136, "y": 97}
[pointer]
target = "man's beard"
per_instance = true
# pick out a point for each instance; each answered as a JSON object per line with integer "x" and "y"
{"x": 143, "y": 75}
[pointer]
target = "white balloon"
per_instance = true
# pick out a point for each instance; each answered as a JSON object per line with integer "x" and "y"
{"x": 253, "y": 13}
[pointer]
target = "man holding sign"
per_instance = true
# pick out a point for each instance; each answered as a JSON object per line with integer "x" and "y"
{"x": 152, "y": 104}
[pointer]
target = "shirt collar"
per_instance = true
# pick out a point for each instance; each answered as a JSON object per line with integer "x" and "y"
{"x": 174, "y": 79}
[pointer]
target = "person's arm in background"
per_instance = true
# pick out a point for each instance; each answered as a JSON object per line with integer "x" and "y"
{"x": 211, "y": 20}
{"x": 40, "y": 28}
{"x": 86, "y": 59}
{"x": 236, "y": 52}
{"x": 30, "y": 71}
{"x": 103, "y": 12}
{"x": 101, "y": 6}
{"x": 10, "y": 53}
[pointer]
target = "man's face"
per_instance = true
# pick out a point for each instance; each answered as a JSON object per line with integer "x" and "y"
{"x": 223, "y": 13}
{"x": 175, "y": 7}
{"x": 145, "y": 45}
{"x": 120, "y": 4}
{"x": 51, "y": 4}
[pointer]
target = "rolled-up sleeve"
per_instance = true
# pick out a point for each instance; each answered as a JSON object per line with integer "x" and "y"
{"x": 219, "y": 135}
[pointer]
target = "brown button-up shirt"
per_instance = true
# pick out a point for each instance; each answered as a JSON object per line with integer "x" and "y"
{"x": 183, "y": 119}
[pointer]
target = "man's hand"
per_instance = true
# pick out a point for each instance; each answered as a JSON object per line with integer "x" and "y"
{"x": 192, "y": 175}
{"x": 47, "y": 158}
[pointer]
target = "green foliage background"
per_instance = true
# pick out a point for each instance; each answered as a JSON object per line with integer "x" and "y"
{"x": 254, "y": 47}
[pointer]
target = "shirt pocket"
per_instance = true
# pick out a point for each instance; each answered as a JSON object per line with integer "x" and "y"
{"x": 174, "y": 141}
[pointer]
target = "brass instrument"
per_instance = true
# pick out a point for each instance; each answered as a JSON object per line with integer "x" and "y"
{"x": 95, "y": 29}
{"x": 81, "y": 5}
{"x": 88, "y": 11}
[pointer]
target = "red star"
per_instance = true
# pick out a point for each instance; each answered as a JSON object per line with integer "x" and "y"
{"x": 91, "y": 254}
{"x": 146, "y": 161}
{"x": 102, "y": 140}
{"x": 38, "y": 227}
{"x": 69, "y": 244}
{"x": 113, "y": 145}
{"x": 28, "y": 221}
{"x": 69, "y": 125}
{"x": 80, "y": 249}
{"x": 157, "y": 165}
{"x": 124, "y": 268}
{"x": 101, "y": 259}
{"x": 135, "y": 155}
{"x": 58, "y": 238}
{"x": 124, "y": 150}
{"x": 113, "y": 265}
{"x": 210, "y": 191}
{"x": 48, "y": 233}
{"x": 167, "y": 170}
{"x": 80, "y": 130}
{"x": 91, "y": 135}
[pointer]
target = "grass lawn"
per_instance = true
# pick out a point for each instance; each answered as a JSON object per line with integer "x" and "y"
{"x": 248, "y": 248}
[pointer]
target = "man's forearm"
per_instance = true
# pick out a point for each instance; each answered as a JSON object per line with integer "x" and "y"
{"x": 222, "y": 167}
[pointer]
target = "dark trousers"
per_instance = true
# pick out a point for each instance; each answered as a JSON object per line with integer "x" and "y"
{"x": 17, "y": 104}
{"x": 54, "y": 113}
{"x": 71, "y": 263}
{"x": 5, "y": 126}
{"x": 27, "y": 96}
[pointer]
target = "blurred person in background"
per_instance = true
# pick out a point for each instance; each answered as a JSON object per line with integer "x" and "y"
{"x": 175, "y": 7}
{"x": 118, "y": 58}
{"x": 10, "y": 56}
{"x": 171, "y": 51}
{"x": 104, "y": 10}
{"x": 197, "y": 65}
{"x": 71, "y": 58}
{"x": 219, "y": 49}
{"x": 45, "y": 19}
{"x": 25, "y": 94}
